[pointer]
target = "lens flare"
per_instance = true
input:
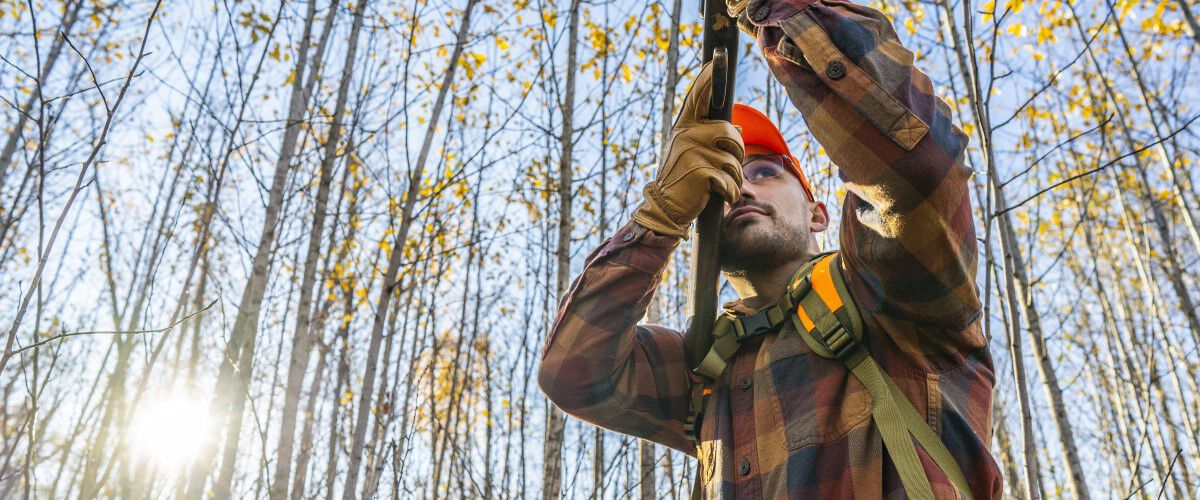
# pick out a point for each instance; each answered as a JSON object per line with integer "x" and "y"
{"x": 171, "y": 430}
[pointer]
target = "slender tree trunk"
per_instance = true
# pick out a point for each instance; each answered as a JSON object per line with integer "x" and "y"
{"x": 1058, "y": 410}
{"x": 555, "y": 420}
{"x": 1190, "y": 18}
{"x": 965, "y": 52}
{"x": 375, "y": 450}
{"x": 302, "y": 340}
{"x": 346, "y": 283}
{"x": 229, "y": 398}
{"x": 306, "y": 436}
{"x": 1029, "y": 445}
{"x": 389, "y": 282}
{"x": 1169, "y": 161}
{"x": 340, "y": 388}
{"x": 1000, "y": 428}
{"x": 71, "y": 12}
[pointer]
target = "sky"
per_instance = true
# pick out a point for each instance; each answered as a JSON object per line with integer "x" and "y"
{"x": 502, "y": 139}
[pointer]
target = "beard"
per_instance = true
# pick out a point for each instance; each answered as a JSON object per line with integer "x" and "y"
{"x": 758, "y": 244}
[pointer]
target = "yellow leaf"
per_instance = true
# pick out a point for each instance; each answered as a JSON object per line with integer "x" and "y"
{"x": 1017, "y": 29}
{"x": 1045, "y": 33}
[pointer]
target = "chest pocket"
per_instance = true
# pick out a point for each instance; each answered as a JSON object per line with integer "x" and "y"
{"x": 819, "y": 399}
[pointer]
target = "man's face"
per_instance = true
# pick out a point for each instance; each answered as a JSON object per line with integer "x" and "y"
{"x": 773, "y": 223}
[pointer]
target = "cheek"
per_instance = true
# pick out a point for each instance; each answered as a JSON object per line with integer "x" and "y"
{"x": 796, "y": 219}
{"x": 791, "y": 210}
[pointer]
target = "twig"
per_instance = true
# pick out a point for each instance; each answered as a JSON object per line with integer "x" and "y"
{"x": 1170, "y": 470}
{"x": 95, "y": 82}
{"x": 1087, "y": 45}
{"x": 1056, "y": 148}
{"x": 1097, "y": 169}
{"x": 98, "y": 145}
{"x": 114, "y": 332}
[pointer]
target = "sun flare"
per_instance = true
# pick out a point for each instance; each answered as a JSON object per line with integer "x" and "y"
{"x": 170, "y": 431}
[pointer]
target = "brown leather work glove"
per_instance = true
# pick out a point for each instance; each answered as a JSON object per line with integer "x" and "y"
{"x": 703, "y": 157}
{"x": 736, "y": 7}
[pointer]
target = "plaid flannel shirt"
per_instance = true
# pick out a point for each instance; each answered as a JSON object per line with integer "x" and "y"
{"x": 782, "y": 421}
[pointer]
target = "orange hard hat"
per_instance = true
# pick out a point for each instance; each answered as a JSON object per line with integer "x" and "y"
{"x": 757, "y": 130}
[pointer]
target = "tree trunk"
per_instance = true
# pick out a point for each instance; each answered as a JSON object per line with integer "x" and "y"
{"x": 229, "y": 398}
{"x": 555, "y": 419}
{"x": 302, "y": 339}
{"x": 388, "y": 284}
{"x": 647, "y": 480}
{"x": 71, "y": 11}
{"x": 1012, "y": 259}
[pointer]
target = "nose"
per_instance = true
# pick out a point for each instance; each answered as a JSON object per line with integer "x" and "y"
{"x": 748, "y": 190}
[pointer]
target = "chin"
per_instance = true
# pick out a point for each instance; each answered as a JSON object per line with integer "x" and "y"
{"x": 754, "y": 245}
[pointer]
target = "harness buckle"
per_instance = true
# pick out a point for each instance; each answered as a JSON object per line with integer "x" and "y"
{"x": 746, "y": 327}
{"x": 839, "y": 341}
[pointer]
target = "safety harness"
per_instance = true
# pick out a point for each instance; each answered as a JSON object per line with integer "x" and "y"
{"x": 820, "y": 306}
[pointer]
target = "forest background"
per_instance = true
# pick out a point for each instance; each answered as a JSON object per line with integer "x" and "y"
{"x": 311, "y": 248}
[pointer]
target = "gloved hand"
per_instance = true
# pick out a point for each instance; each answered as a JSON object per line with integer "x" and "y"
{"x": 736, "y": 7}
{"x": 703, "y": 157}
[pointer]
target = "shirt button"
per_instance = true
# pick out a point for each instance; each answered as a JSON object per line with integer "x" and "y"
{"x": 745, "y": 383}
{"x": 627, "y": 237}
{"x": 760, "y": 13}
{"x": 744, "y": 468}
{"x": 836, "y": 70}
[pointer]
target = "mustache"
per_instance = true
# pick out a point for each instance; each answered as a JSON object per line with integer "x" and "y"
{"x": 747, "y": 202}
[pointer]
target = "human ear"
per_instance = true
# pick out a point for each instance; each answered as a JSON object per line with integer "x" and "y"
{"x": 820, "y": 218}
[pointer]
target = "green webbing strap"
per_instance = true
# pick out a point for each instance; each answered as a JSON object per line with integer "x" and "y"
{"x": 723, "y": 346}
{"x": 837, "y": 335}
{"x": 731, "y": 329}
{"x": 929, "y": 440}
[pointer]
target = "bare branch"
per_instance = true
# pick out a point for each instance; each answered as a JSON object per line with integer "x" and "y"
{"x": 115, "y": 332}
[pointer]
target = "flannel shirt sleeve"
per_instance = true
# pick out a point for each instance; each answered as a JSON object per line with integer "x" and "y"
{"x": 599, "y": 365}
{"x": 907, "y": 236}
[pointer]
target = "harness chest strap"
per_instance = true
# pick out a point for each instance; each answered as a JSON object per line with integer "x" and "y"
{"x": 833, "y": 330}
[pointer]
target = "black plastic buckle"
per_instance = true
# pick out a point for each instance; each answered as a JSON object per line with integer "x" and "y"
{"x": 752, "y": 326}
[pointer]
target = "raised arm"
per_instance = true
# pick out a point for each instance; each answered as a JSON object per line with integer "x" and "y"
{"x": 908, "y": 237}
{"x": 599, "y": 366}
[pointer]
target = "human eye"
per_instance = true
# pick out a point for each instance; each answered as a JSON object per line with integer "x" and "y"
{"x": 760, "y": 170}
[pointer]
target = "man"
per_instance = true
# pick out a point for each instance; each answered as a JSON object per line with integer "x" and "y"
{"x": 780, "y": 421}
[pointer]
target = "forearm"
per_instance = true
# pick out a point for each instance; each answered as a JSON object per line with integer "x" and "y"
{"x": 598, "y": 365}
{"x": 907, "y": 227}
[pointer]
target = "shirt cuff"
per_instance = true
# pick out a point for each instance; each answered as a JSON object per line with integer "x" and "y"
{"x": 769, "y": 13}
{"x": 638, "y": 247}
